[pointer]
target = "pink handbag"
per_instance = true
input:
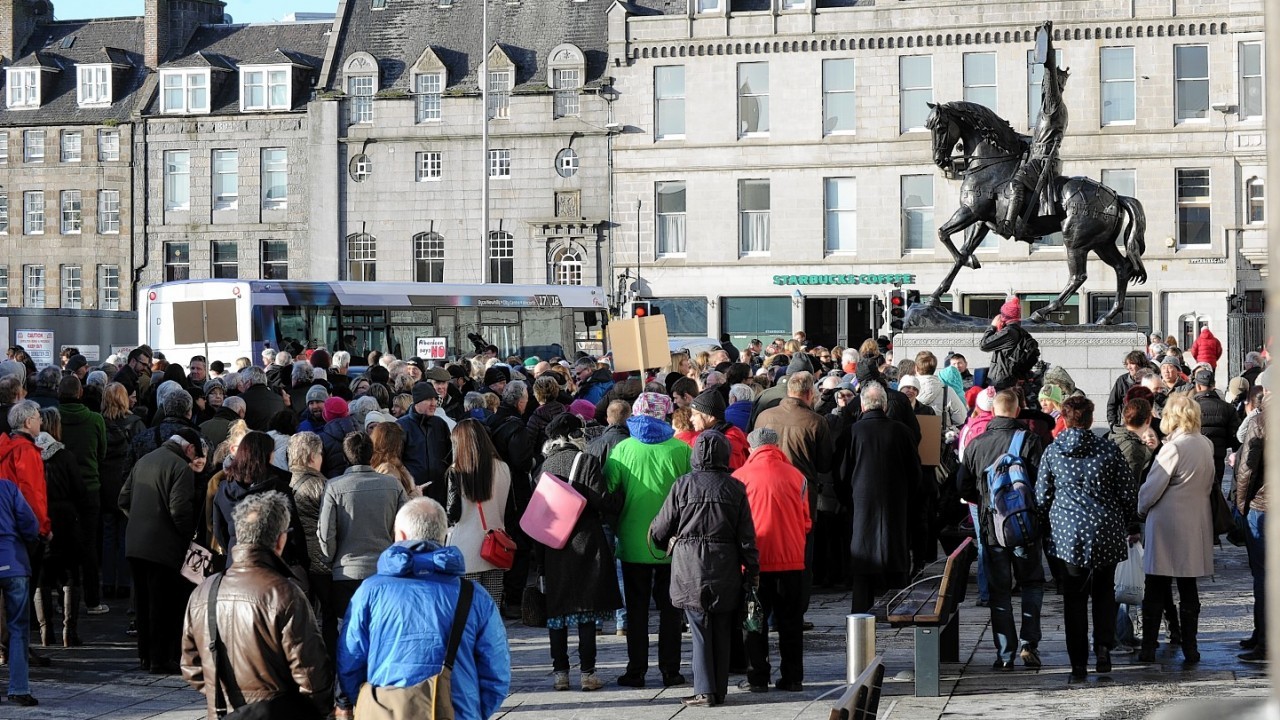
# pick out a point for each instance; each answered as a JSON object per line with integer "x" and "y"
{"x": 554, "y": 509}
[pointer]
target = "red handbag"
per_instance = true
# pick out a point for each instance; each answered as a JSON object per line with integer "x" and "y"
{"x": 497, "y": 548}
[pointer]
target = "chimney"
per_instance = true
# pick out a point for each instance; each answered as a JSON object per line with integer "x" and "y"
{"x": 18, "y": 19}
{"x": 171, "y": 23}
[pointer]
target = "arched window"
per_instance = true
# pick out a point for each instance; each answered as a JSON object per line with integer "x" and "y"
{"x": 566, "y": 265}
{"x": 361, "y": 74}
{"x": 567, "y": 71}
{"x": 360, "y": 259}
{"x": 428, "y": 257}
{"x": 502, "y": 257}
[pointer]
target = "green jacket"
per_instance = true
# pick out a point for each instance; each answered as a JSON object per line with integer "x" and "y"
{"x": 645, "y": 466}
{"x": 85, "y": 434}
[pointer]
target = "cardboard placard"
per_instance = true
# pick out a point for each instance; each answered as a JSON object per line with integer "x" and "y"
{"x": 639, "y": 343}
{"x": 930, "y": 439}
{"x": 432, "y": 348}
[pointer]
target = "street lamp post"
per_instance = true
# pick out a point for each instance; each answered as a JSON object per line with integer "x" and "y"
{"x": 483, "y": 79}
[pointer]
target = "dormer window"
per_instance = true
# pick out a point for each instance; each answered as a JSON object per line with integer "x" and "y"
{"x": 502, "y": 73}
{"x": 361, "y": 74}
{"x": 265, "y": 88}
{"x": 567, "y": 68}
{"x": 24, "y": 87}
{"x": 429, "y": 79}
{"x": 94, "y": 85}
{"x": 184, "y": 92}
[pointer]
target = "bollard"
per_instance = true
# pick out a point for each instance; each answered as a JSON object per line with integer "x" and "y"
{"x": 860, "y": 639}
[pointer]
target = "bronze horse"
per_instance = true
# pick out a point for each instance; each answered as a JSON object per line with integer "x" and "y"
{"x": 1090, "y": 215}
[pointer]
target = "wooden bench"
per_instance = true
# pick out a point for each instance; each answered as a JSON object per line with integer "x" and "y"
{"x": 930, "y": 605}
{"x": 861, "y": 701}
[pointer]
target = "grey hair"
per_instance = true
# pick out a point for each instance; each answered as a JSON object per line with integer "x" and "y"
{"x": 301, "y": 372}
{"x": 474, "y": 401}
{"x": 253, "y": 375}
{"x": 260, "y": 519}
{"x": 269, "y": 355}
{"x": 177, "y": 404}
{"x": 585, "y": 362}
{"x": 741, "y": 391}
{"x": 713, "y": 379}
{"x": 236, "y": 404}
{"x": 97, "y": 378}
{"x": 422, "y": 519}
{"x": 340, "y": 359}
{"x": 163, "y": 390}
{"x": 48, "y": 378}
{"x": 873, "y": 397}
{"x": 849, "y": 357}
{"x": 22, "y": 412}
{"x": 512, "y": 393}
{"x": 283, "y": 358}
{"x": 302, "y": 447}
{"x": 361, "y": 407}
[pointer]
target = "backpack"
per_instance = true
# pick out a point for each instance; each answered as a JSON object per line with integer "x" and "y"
{"x": 1012, "y": 500}
{"x": 1028, "y": 355}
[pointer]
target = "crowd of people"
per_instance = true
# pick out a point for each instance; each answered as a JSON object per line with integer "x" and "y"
{"x": 292, "y": 533}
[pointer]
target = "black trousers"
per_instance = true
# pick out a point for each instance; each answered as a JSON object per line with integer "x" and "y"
{"x": 160, "y": 601}
{"x": 586, "y": 648}
{"x": 831, "y": 531}
{"x": 867, "y": 587}
{"x": 710, "y": 633}
{"x": 1158, "y": 598}
{"x": 780, "y": 598}
{"x": 640, "y": 583}
{"x": 91, "y": 558}
{"x": 1080, "y": 586}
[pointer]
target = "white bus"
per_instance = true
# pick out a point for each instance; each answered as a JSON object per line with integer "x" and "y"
{"x": 229, "y": 319}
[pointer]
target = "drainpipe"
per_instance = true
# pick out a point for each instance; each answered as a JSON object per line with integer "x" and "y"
{"x": 1272, "y": 53}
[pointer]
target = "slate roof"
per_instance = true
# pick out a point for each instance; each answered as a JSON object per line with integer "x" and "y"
{"x": 93, "y": 42}
{"x": 226, "y": 47}
{"x": 681, "y": 7}
{"x": 527, "y": 31}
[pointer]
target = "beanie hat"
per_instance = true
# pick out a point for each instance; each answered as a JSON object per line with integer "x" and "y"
{"x": 75, "y": 362}
{"x": 457, "y": 371}
{"x": 1052, "y": 393}
{"x": 583, "y": 409}
{"x": 424, "y": 391}
{"x": 317, "y": 393}
{"x": 762, "y": 436}
{"x": 1011, "y": 310}
{"x": 987, "y": 399}
{"x": 532, "y": 361}
{"x": 654, "y": 405}
{"x": 1204, "y": 376}
{"x": 908, "y": 381}
{"x": 377, "y": 416}
{"x": 971, "y": 396}
{"x": 710, "y": 402}
{"x": 496, "y": 374}
{"x": 334, "y": 408}
{"x": 1171, "y": 360}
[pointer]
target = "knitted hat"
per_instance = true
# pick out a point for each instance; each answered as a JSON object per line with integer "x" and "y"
{"x": 1171, "y": 360}
{"x": 987, "y": 399}
{"x": 652, "y": 404}
{"x": 424, "y": 391}
{"x": 1011, "y": 310}
{"x": 75, "y": 362}
{"x": 377, "y": 416}
{"x": 457, "y": 371}
{"x": 583, "y": 409}
{"x": 762, "y": 436}
{"x": 334, "y": 408}
{"x": 710, "y": 402}
{"x": 317, "y": 394}
{"x": 1052, "y": 393}
{"x": 531, "y": 361}
{"x": 496, "y": 374}
{"x": 908, "y": 381}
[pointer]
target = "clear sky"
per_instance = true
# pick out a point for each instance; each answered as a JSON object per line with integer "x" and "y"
{"x": 241, "y": 10}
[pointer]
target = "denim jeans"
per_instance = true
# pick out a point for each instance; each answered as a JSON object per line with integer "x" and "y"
{"x": 16, "y": 607}
{"x": 1255, "y": 544}
{"x": 1003, "y": 565}
{"x": 619, "y": 615}
{"x": 984, "y": 592}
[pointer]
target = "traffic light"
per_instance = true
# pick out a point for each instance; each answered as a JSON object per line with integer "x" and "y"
{"x": 642, "y": 308}
{"x": 913, "y": 297}
{"x": 897, "y": 308}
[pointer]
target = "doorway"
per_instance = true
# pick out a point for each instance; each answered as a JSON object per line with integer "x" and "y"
{"x": 822, "y": 321}
{"x": 839, "y": 321}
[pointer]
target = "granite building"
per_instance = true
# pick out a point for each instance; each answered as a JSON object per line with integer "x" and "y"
{"x": 777, "y": 149}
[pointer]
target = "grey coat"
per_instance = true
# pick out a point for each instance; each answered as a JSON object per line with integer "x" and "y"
{"x": 357, "y": 521}
{"x": 1175, "y": 501}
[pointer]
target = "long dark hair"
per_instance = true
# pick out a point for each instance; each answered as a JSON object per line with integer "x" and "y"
{"x": 253, "y": 459}
{"x": 473, "y": 456}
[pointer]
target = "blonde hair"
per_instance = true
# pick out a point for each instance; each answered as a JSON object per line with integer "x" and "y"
{"x": 792, "y": 347}
{"x": 228, "y": 447}
{"x": 115, "y": 401}
{"x": 1180, "y": 413}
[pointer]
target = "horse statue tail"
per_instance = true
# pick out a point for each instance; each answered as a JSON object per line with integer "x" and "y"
{"x": 1135, "y": 242}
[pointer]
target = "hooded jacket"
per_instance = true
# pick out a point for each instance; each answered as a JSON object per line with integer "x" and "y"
{"x": 230, "y": 493}
{"x": 398, "y": 625}
{"x": 18, "y": 528}
{"x": 738, "y": 414}
{"x": 643, "y": 468}
{"x": 705, "y": 524}
{"x": 1086, "y": 489}
{"x": 595, "y": 387}
{"x": 779, "y": 509}
{"x": 1206, "y": 349}
{"x": 85, "y": 435}
{"x": 20, "y": 462}
{"x": 985, "y": 450}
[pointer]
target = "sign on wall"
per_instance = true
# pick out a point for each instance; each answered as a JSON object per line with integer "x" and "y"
{"x": 38, "y": 344}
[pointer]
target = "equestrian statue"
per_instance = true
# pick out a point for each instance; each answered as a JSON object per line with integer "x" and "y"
{"x": 1011, "y": 185}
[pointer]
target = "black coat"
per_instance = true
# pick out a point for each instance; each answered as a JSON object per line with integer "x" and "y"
{"x": 514, "y": 443}
{"x": 119, "y": 461}
{"x": 68, "y": 504}
{"x": 603, "y": 444}
{"x": 331, "y": 437}
{"x": 1013, "y": 353}
{"x": 1115, "y": 402}
{"x": 159, "y": 498}
{"x": 231, "y": 493}
{"x": 261, "y": 403}
{"x": 705, "y": 524}
{"x": 985, "y": 450}
{"x": 881, "y": 483}
{"x": 1218, "y": 422}
{"x": 580, "y": 577}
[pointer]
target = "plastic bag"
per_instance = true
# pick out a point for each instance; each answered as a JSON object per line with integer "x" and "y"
{"x": 1131, "y": 581}
{"x": 755, "y": 621}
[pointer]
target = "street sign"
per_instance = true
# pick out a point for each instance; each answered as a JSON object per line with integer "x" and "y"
{"x": 38, "y": 344}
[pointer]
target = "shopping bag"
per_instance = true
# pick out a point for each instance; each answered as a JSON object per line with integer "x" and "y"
{"x": 1131, "y": 581}
{"x": 755, "y": 621}
{"x": 554, "y": 509}
{"x": 195, "y": 567}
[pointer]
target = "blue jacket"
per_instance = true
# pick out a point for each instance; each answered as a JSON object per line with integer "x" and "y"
{"x": 739, "y": 415}
{"x": 428, "y": 452}
{"x": 398, "y": 623}
{"x": 597, "y": 385}
{"x": 18, "y": 527}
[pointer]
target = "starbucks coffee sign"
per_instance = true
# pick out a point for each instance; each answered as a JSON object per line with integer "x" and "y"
{"x": 888, "y": 279}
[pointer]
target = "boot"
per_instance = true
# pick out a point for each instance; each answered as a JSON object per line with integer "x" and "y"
{"x": 70, "y": 616}
{"x": 1175, "y": 629}
{"x": 1190, "y": 624}
{"x": 1151, "y": 612}
{"x": 44, "y": 613}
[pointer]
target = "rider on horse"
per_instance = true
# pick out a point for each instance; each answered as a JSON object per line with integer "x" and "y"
{"x": 1040, "y": 165}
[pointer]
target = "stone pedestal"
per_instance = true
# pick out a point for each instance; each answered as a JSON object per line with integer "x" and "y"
{"x": 1092, "y": 355}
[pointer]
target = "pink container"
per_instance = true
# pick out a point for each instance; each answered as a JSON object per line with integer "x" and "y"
{"x": 552, "y": 512}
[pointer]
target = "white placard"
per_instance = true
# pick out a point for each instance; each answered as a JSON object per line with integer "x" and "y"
{"x": 90, "y": 352}
{"x": 38, "y": 344}
{"x": 433, "y": 348}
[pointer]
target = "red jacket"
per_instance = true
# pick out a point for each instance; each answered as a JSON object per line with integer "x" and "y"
{"x": 20, "y": 462}
{"x": 738, "y": 447}
{"x": 1206, "y": 349}
{"x": 779, "y": 508}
